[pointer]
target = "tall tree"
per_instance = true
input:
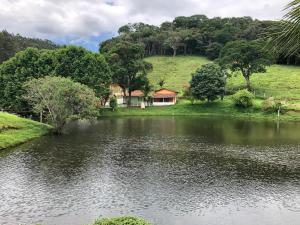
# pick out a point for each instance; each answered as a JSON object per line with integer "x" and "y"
{"x": 128, "y": 67}
{"x": 248, "y": 57}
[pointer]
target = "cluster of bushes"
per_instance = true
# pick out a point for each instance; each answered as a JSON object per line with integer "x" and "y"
{"x": 244, "y": 99}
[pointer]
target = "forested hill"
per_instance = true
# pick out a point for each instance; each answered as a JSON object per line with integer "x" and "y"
{"x": 196, "y": 35}
{"x": 10, "y": 44}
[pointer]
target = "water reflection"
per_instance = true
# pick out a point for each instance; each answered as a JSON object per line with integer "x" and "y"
{"x": 168, "y": 170}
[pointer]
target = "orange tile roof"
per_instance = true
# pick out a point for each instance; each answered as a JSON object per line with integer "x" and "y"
{"x": 164, "y": 93}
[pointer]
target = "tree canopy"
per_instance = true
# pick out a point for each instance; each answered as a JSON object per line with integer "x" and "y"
{"x": 247, "y": 57}
{"x": 197, "y": 35}
{"x": 77, "y": 63}
{"x": 59, "y": 99}
{"x": 128, "y": 68}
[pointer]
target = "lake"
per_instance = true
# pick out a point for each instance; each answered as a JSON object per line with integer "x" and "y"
{"x": 168, "y": 170}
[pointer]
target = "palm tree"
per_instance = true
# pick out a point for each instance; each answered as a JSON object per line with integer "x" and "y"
{"x": 285, "y": 37}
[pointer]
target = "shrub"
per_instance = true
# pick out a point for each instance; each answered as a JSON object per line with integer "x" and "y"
{"x": 121, "y": 221}
{"x": 243, "y": 98}
{"x": 113, "y": 103}
{"x": 272, "y": 105}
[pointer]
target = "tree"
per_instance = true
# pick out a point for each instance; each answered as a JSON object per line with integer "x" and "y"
{"x": 248, "y": 57}
{"x": 208, "y": 82}
{"x": 59, "y": 99}
{"x": 128, "y": 67}
{"x": 81, "y": 65}
{"x": 285, "y": 36}
{"x": 84, "y": 67}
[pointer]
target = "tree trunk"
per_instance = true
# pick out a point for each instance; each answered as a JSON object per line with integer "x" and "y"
{"x": 185, "y": 48}
{"x": 174, "y": 52}
{"x": 248, "y": 83}
{"x": 41, "y": 116}
{"x": 129, "y": 99}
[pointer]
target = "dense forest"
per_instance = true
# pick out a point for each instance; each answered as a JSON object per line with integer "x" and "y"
{"x": 196, "y": 35}
{"x": 10, "y": 44}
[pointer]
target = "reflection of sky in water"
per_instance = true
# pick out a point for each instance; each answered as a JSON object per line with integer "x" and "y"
{"x": 168, "y": 170}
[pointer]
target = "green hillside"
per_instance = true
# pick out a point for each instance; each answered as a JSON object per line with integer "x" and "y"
{"x": 279, "y": 81}
{"x": 176, "y": 71}
{"x": 15, "y": 130}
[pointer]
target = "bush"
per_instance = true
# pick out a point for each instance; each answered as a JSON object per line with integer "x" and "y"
{"x": 272, "y": 105}
{"x": 113, "y": 103}
{"x": 243, "y": 98}
{"x": 121, "y": 221}
{"x": 208, "y": 82}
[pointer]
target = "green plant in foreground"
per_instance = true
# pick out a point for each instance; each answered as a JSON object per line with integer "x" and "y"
{"x": 243, "y": 99}
{"x": 126, "y": 220}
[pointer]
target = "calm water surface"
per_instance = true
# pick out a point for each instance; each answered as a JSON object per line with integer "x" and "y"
{"x": 171, "y": 171}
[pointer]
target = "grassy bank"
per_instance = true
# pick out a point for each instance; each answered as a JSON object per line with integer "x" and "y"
{"x": 15, "y": 130}
{"x": 218, "y": 108}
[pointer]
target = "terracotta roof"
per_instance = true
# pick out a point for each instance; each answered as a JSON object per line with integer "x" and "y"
{"x": 164, "y": 93}
{"x": 137, "y": 93}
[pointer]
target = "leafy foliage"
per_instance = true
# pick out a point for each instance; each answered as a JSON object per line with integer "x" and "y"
{"x": 285, "y": 35}
{"x": 60, "y": 99}
{"x": 81, "y": 65}
{"x": 248, "y": 57}
{"x": 243, "y": 99}
{"x": 208, "y": 82}
{"x": 197, "y": 35}
{"x": 121, "y": 221}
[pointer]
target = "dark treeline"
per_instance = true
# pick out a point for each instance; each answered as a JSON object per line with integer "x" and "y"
{"x": 196, "y": 35}
{"x": 10, "y": 44}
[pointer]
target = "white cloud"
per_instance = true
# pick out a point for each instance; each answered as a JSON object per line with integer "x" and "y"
{"x": 55, "y": 19}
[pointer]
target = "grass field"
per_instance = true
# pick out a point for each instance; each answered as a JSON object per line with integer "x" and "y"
{"x": 15, "y": 130}
{"x": 176, "y": 71}
{"x": 279, "y": 81}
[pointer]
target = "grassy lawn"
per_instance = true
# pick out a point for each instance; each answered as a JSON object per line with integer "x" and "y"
{"x": 15, "y": 130}
{"x": 279, "y": 81}
{"x": 218, "y": 108}
{"x": 177, "y": 71}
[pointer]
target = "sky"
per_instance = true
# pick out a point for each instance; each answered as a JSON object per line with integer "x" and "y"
{"x": 88, "y": 22}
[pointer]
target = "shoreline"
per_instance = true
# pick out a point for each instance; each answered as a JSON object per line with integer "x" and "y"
{"x": 216, "y": 109}
{"x": 15, "y": 130}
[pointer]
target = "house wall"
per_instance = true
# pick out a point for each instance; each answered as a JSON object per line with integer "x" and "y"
{"x": 163, "y": 102}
